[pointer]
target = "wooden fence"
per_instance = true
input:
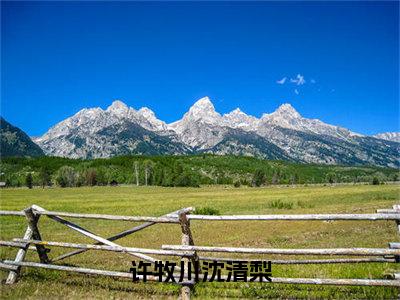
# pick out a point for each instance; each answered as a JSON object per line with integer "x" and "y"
{"x": 187, "y": 251}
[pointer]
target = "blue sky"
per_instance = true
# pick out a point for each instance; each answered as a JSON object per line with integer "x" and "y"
{"x": 59, "y": 57}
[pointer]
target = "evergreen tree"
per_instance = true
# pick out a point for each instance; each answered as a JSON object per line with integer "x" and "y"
{"x": 44, "y": 177}
{"x": 29, "y": 180}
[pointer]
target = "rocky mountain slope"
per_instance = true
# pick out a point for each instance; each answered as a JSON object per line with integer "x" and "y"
{"x": 15, "y": 142}
{"x": 97, "y": 133}
{"x": 283, "y": 134}
{"x": 389, "y": 136}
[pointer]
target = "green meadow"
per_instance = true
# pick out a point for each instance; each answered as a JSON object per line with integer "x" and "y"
{"x": 156, "y": 201}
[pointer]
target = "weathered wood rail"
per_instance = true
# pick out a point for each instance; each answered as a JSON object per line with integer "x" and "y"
{"x": 187, "y": 251}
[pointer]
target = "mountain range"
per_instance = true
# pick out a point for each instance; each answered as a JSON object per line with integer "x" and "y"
{"x": 283, "y": 134}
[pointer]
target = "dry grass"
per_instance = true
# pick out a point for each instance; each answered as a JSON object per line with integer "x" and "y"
{"x": 155, "y": 201}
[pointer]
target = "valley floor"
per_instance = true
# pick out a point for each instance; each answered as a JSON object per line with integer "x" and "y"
{"x": 156, "y": 201}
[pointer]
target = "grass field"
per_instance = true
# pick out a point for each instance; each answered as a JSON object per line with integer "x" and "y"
{"x": 155, "y": 201}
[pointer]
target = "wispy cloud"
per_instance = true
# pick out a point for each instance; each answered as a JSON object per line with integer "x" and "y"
{"x": 282, "y": 81}
{"x": 299, "y": 80}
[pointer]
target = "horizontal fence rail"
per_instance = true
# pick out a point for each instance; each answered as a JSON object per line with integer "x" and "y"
{"x": 110, "y": 217}
{"x": 12, "y": 213}
{"x": 305, "y": 261}
{"x": 393, "y": 215}
{"x": 313, "y": 281}
{"x": 326, "y": 251}
{"x": 75, "y": 269}
{"x": 308, "y": 217}
{"x": 187, "y": 251}
{"x": 20, "y": 243}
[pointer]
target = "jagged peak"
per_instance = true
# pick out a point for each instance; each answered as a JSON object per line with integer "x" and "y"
{"x": 117, "y": 105}
{"x": 284, "y": 110}
{"x": 149, "y": 114}
{"x": 203, "y": 103}
{"x": 287, "y": 108}
{"x": 145, "y": 111}
{"x": 89, "y": 110}
{"x": 236, "y": 111}
{"x": 203, "y": 109}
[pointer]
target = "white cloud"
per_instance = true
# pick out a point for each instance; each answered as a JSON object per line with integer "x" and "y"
{"x": 296, "y": 91}
{"x": 282, "y": 81}
{"x": 299, "y": 80}
{"x": 313, "y": 81}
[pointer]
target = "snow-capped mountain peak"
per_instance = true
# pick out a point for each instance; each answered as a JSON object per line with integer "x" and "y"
{"x": 204, "y": 102}
{"x": 154, "y": 123}
{"x": 235, "y": 112}
{"x": 287, "y": 110}
{"x": 118, "y": 108}
{"x": 196, "y": 124}
{"x": 389, "y": 136}
{"x": 238, "y": 119}
{"x": 88, "y": 113}
{"x": 284, "y": 116}
{"x": 203, "y": 109}
{"x": 147, "y": 113}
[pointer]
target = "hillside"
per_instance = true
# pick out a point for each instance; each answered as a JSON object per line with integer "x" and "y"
{"x": 15, "y": 142}
{"x": 185, "y": 171}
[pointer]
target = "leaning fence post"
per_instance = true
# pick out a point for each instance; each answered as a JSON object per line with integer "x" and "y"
{"x": 13, "y": 275}
{"x": 187, "y": 240}
{"x": 32, "y": 222}
{"x": 32, "y": 232}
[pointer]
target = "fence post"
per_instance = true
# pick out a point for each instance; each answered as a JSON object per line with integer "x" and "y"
{"x": 32, "y": 232}
{"x": 13, "y": 275}
{"x": 187, "y": 240}
{"x": 33, "y": 224}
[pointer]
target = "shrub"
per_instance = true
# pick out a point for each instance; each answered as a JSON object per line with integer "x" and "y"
{"x": 375, "y": 181}
{"x": 303, "y": 204}
{"x": 186, "y": 180}
{"x": 207, "y": 210}
{"x": 278, "y": 204}
{"x": 236, "y": 184}
{"x": 66, "y": 177}
{"x": 259, "y": 178}
{"x": 91, "y": 177}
